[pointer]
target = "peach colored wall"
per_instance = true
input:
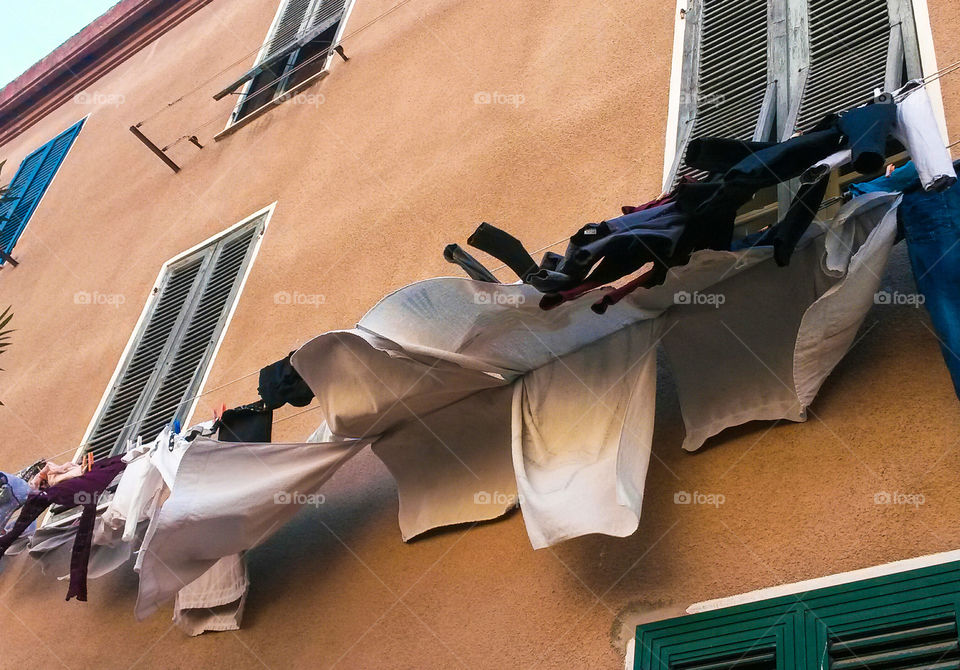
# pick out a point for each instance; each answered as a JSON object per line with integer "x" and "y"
{"x": 396, "y": 162}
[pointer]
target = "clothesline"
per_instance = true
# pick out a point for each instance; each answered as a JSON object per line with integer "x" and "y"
{"x": 953, "y": 67}
{"x": 928, "y": 79}
{"x": 73, "y": 450}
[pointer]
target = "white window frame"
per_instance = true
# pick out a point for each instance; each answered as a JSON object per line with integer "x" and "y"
{"x": 266, "y": 213}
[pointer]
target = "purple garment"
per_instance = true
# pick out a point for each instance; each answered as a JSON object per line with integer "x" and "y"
{"x": 80, "y": 491}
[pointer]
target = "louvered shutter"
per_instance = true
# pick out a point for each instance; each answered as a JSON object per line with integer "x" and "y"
{"x": 754, "y": 659}
{"x": 116, "y": 421}
{"x": 30, "y": 183}
{"x": 323, "y": 15}
{"x": 194, "y": 348}
{"x": 166, "y": 365}
{"x": 849, "y": 41}
{"x": 924, "y": 644}
{"x": 731, "y": 73}
{"x": 287, "y": 30}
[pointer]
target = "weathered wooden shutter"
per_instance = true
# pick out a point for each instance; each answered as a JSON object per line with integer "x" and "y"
{"x": 849, "y": 42}
{"x": 726, "y": 95}
{"x": 287, "y": 30}
{"x": 30, "y": 183}
{"x": 192, "y": 351}
{"x": 166, "y": 365}
{"x": 323, "y": 15}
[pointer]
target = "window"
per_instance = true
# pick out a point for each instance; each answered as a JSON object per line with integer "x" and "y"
{"x": 901, "y": 620}
{"x": 764, "y": 69}
{"x": 173, "y": 345}
{"x": 30, "y": 183}
{"x": 298, "y": 50}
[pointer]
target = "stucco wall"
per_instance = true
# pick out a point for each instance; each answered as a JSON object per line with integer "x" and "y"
{"x": 370, "y": 184}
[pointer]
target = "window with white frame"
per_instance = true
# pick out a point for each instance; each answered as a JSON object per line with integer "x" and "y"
{"x": 172, "y": 347}
{"x": 297, "y": 51}
{"x": 766, "y": 69}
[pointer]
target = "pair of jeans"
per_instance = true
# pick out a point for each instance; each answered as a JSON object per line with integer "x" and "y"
{"x": 930, "y": 222}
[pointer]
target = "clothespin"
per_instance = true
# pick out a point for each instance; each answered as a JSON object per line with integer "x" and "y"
{"x": 176, "y": 426}
{"x": 890, "y": 168}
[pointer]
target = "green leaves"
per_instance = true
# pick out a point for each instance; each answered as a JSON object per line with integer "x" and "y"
{"x": 5, "y": 339}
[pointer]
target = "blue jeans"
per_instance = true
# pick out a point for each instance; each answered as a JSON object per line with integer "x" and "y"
{"x": 931, "y": 226}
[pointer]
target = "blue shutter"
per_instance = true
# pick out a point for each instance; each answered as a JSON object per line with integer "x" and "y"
{"x": 30, "y": 183}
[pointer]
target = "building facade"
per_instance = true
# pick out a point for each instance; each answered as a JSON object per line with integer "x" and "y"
{"x": 205, "y": 185}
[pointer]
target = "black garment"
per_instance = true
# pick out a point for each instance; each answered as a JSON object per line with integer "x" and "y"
{"x": 773, "y": 165}
{"x": 719, "y": 154}
{"x": 248, "y": 423}
{"x": 785, "y": 235}
{"x": 281, "y": 384}
{"x": 867, "y": 129}
{"x": 504, "y": 247}
{"x": 454, "y": 253}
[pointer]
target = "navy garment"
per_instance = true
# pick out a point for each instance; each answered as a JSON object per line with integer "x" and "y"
{"x": 719, "y": 154}
{"x": 867, "y": 129}
{"x": 931, "y": 225}
{"x": 768, "y": 167}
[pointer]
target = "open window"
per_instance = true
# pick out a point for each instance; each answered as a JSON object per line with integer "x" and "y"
{"x": 298, "y": 49}
{"x": 766, "y": 69}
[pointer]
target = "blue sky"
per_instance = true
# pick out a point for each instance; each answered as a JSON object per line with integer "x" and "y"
{"x": 30, "y": 29}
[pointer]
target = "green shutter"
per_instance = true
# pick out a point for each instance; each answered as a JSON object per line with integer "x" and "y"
{"x": 901, "y": 621}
